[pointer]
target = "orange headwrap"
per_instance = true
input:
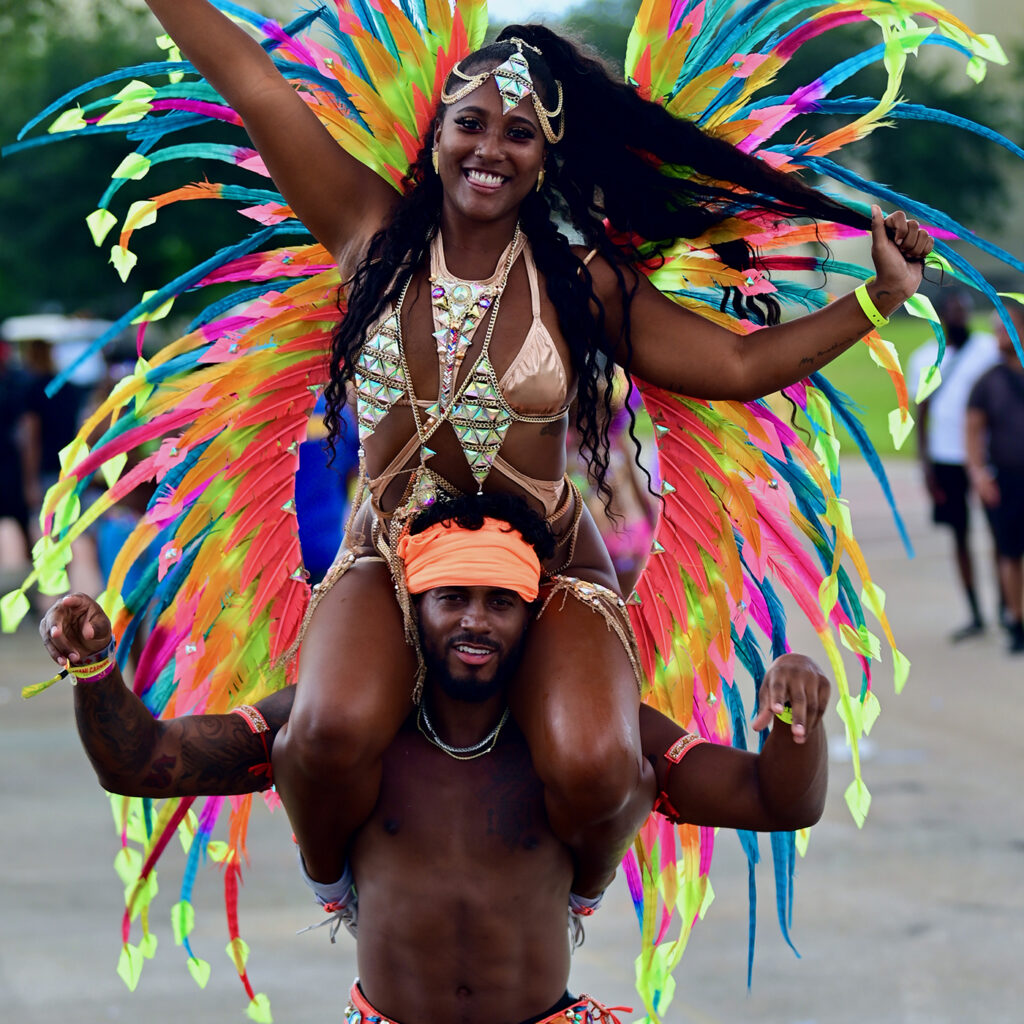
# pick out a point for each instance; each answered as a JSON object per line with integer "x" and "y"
{"x": 447, "y": 555}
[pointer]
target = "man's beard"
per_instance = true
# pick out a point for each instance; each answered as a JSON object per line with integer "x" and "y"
{"x": 469, "y": 690}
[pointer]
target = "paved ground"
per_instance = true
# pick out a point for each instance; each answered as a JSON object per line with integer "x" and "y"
{"x": 916, "y": 919}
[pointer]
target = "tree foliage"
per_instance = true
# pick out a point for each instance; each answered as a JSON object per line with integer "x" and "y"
{"x": 45, "y": 193}
{"x": 966, "y": 177}
{"x": 48, "y": 259}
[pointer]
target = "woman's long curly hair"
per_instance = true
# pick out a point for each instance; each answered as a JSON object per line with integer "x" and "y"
{"x": 614, "y": 178}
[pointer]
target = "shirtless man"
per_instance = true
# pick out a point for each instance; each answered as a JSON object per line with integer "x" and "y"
{"x": 458, "y": 848}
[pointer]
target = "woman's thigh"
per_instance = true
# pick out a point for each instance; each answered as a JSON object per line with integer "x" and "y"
{"x": 355, "y": 666}
{"x": 576, "y": 695}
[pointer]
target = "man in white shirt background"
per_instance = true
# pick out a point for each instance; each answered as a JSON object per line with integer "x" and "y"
{"x": 942, "y": 420}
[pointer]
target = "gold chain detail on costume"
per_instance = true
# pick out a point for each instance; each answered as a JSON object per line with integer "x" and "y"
{"x": 514, "y": 82}
{"x": 481, "y": 423}
{"x": 574, "y": 530}
{"x": 477, "y": 411}
{"x": 470, "y": 753}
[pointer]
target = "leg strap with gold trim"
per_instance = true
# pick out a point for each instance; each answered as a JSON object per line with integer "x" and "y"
{"x": 341, "y": 565}
{"x": 606, "y": 603}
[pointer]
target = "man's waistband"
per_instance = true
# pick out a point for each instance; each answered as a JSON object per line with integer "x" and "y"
{"x": 583, "y": 1010}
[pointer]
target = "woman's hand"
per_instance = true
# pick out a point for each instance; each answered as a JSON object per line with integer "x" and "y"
{"x": 74, "y": 629}
{"x": 899, "y": 260}
{"x": 793, "y": 681}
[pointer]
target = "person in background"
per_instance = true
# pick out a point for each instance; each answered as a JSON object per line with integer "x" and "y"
{"x": 941, "y": 438}
{"x": 322, "y": 489}
{"x": 56, "y": 419}
{"x": 995, "y": 462}
{"x": 19, "y": 448}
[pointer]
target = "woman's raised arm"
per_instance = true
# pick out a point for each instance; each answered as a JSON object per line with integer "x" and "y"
{"x": 682, "y": 352}
{"x": 340, "y": 200}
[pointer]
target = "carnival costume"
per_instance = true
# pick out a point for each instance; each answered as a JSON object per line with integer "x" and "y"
{"x": 742, "y": 492}
{"x": 581, "y": 1010}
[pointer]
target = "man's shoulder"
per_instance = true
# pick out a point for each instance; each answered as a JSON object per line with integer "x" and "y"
{"x": 988, "y": 386}
{"x": 981, "y": 351}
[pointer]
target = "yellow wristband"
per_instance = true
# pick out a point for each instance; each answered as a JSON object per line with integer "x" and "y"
{"x": 869, "y": 308}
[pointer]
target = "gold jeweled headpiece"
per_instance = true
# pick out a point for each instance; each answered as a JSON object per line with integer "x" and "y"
{"x": 512, "y": 77}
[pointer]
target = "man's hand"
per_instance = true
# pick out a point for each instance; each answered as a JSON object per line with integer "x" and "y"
{"x": 793, "y": 681}
{"x": 74, "y": 629}
{"x": 781, "y": 788}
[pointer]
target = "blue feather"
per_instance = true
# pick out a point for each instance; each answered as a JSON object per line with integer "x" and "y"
{"x": 842, "y": 408}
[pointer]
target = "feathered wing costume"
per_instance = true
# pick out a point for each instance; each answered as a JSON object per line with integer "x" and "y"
{"x": 750, "y": 508}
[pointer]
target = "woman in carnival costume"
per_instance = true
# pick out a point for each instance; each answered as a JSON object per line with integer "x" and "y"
{"x": 470, "y": 323}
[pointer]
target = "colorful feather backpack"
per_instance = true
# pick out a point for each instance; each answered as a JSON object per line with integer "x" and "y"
{"x": 751, "y": 510}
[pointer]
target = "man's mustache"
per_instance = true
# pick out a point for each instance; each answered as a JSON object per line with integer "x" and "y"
{"x": 476, "y": 641}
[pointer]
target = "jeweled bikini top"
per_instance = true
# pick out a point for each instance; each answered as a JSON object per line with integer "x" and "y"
{"x": 476, "y": 408}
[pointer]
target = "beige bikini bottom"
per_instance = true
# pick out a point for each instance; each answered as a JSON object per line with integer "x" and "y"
{"x": 549, "y": 494}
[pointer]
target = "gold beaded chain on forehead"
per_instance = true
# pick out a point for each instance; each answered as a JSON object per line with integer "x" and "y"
{"x": 512, "y": 77}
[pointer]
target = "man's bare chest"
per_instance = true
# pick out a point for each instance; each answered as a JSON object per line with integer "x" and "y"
{"x": 485, "y": 815}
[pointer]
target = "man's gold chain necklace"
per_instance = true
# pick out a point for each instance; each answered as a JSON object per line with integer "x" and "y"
{"x": 484, "y": 746}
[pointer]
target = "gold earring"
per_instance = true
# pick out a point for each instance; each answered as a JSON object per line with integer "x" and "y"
{"x": 434, "y": 161}
{"x": 540, "y": 179}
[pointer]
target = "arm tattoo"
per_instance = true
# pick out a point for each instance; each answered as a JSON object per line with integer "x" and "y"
{"x": 161, "y": 773}
{"x": 117, "y": 731}
{"x": 823, "y": 355}
{"x": 194, "y": 755}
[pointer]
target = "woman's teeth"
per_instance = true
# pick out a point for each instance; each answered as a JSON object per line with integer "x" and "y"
{"x": 483, "y": 178}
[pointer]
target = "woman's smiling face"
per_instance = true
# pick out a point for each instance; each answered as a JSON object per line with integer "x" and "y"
{"x": 488, "y": 160}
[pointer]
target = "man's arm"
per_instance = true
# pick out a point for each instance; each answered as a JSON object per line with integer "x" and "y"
{"x": 137, "y": 755}
{"x": 780, "y": 789}
{"x": 981, "y": 478}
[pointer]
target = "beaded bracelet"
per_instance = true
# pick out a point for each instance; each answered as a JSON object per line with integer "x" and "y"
{"x": 258, "y": 725}
{"x": 868, "y": 306}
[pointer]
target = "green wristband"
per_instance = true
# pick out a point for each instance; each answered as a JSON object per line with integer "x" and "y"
{"x": 869, "y": 308}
